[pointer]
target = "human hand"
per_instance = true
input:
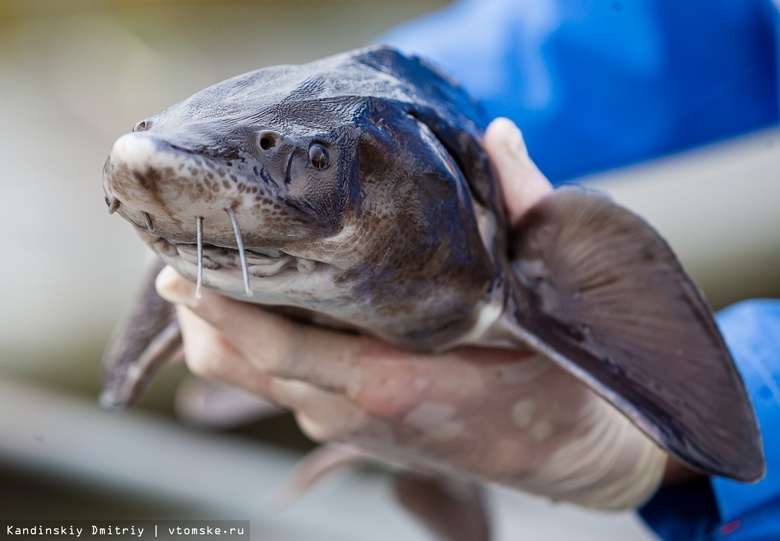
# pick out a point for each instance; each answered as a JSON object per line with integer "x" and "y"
{"x": 509, "y": 417}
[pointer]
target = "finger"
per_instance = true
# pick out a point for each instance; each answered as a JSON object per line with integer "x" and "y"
{"x": 376, "y": 377}
{"x": 222, "y": 334}
{"x": 322, "y": 415}
{"x": 523, "y": 184}
{"x": 209, "y": 355}
{"x": 212, "y": 404}
{"x": 272, "y": 343}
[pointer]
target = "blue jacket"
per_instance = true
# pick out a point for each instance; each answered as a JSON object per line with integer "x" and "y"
{"x": 602, "y": 83}
{"x": 719, "y": 508}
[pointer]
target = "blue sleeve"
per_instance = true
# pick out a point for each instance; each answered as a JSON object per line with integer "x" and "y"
{"x": 598, "y": 84}
{"x": 719, "y": 508}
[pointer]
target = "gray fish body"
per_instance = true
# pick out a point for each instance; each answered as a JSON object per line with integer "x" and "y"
{"x": 355, "y": 189}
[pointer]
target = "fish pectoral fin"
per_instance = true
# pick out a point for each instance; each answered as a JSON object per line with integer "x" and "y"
{"x": 146, "y": 338}
{"x": 453, "y": 510}
{"x": 601, "y": 293}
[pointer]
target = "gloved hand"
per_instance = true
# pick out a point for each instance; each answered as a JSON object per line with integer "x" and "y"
{"x": 513, "y": 418}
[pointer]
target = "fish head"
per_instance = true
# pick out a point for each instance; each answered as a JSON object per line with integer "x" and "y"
{"x": 326, "y": 187}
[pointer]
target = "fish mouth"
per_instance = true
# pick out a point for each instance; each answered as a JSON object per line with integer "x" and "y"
{"x": 226, "y": 265}
{"x": 261, "y": 262}
{"x": 255, "y": 262}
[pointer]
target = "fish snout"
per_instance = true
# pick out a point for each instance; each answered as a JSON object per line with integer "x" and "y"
{"x": 135, "y": 148}
{"x": 137, "y": 171}
{"x": 148, "y": 179}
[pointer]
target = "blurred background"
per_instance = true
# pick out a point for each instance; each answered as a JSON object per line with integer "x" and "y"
{"x": 76, "y": 75}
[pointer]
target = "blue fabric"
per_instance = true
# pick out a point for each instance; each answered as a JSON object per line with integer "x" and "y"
{"x": 601, "y": 83}
{"x": 686, "y": 512}
{"x": 719, "y": 508}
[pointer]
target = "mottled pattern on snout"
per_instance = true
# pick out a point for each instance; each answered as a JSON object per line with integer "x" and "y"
{"x": 150, "y": 175}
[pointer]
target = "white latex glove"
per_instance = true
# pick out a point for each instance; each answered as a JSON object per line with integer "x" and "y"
{"x": 500, "y": 416}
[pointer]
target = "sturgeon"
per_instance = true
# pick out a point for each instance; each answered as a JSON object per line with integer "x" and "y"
{"x": 355, "y": 191}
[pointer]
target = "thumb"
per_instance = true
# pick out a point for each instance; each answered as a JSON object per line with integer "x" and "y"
{"x": 522, "y": 183}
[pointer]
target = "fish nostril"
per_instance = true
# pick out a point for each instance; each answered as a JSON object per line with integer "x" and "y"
{"x": 113, "y": 204}
{"x": 149, "y": 224}
{"x": 142, "y": 126}
{"x": 267, "y": 140}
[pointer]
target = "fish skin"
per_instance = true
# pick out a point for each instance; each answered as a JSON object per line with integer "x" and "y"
{"x": 369, "y": 166}
{"x": 365, "y": 217}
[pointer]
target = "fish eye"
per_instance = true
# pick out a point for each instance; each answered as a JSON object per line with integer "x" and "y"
{"x": 318, "y": 156}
